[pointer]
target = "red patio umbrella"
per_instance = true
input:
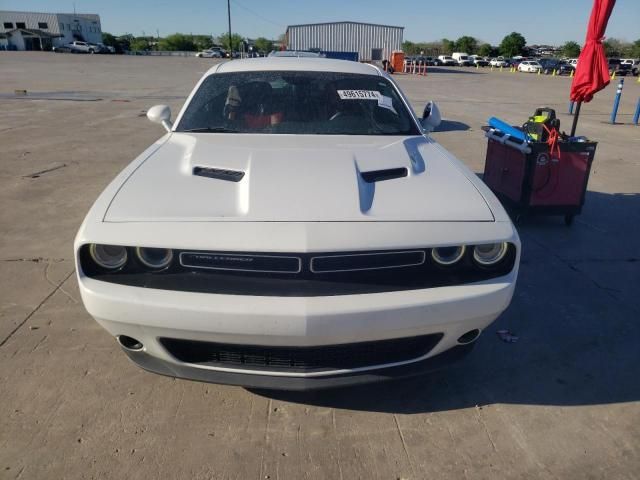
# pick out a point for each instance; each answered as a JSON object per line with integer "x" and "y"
{"x": 592, "y": 71}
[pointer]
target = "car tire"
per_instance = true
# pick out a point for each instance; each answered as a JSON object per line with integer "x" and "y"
{"x": 92, "y": 51}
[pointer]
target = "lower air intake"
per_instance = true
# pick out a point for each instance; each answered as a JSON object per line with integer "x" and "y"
{"x": 301, "y": 359}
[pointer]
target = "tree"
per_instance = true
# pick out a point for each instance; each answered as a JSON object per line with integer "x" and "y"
{"x": 635, "y": 49}
{"x": 485, "y": 50}
{"x": 512, "y": 44}
{"x": 109, "y": 40}
{"x": 263, "y": 45}
{"x": 138, "y": 44}
{"x": 448, "y": 46}
{"x": 467, "y": 44}
{"x": 124, "y": 42}
{"x": 409, "y": 48}
{"x": 202, "y": 42}
{"x": 177, "y": 42}
{"x": 571, "y": 49}
{"x": 236, "y": 40}
{"x": 613, "y": 47}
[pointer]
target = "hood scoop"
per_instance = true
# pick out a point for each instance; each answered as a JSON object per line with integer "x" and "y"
{"x": 382, "y": 175}
{"x": 218, "y": 174}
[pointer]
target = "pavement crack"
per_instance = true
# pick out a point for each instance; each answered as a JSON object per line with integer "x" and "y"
{"x": 594, "y": 282}
{"x": 33, "y": 312}
{"x": 36, "y": 260}
{"x": 46, "y": 170}
{"x": 335, "y": 434}
{"x": 40, "y": 342}
{"x": 266, "y": 438}
{"x": 606, "y": 260}
{"x": 179, "y": 406}
{"x": 46, "y": 277}
{"x": 404, "y": 443}
{"x": 486, "y": 430}
{"x": 572, "y": 267}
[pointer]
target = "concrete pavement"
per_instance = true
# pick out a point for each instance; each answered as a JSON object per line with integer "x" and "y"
{"x": 562, "y": 402}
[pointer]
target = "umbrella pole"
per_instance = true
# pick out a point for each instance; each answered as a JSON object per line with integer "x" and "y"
{"x": 575, "y": 119}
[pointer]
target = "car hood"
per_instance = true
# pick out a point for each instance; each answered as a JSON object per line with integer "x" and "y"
{"x": 298, "y": 178}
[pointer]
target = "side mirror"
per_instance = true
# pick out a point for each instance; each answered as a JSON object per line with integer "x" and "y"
{"x": 161, "y": 114}
{"x": 431, "y": 117}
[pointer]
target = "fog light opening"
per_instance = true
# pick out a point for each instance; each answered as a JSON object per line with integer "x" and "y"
{"x": 129, "y": 343}
{"x": 469, "y": 337}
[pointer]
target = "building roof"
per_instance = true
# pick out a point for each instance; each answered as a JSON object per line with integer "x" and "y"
{"x": 35, "y": 32}
{"x": 294, "y": 64}
{"x": 88, "y": 16}
{"x": 339, "y": 23}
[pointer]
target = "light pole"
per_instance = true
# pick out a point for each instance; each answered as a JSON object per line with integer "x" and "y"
{"x": 229, "y": 17}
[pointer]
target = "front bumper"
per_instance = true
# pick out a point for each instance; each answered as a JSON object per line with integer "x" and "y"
{"x": 270, "y": 382}
{"x": 149, "y": 314}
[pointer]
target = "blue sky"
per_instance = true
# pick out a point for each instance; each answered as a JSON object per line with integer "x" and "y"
{"x": 545, "y": 21}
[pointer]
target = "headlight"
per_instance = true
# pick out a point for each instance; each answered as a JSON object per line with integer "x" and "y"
{"x": 448, "y": 255}
{"x": 156, "y": 258}
{"x": 490, "y": 253}
{"x": 110, "y": 257}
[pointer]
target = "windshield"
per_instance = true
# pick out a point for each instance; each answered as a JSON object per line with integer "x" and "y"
{"x": 290, "y": 102}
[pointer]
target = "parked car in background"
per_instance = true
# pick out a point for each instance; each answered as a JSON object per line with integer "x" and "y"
{"x": 210, "y": 53}
{"x": 498, "y": 62}
{"x": 529, "y": 66}
{"x": 98, "y": 48}
{"x": 566, "y": 68}
{"x": 634, "y": 63}
{"x": 419, "y": 60}
{"x": 446, "y": 60}
{"x": 82, "y": 47}
{"x": 285, "y": 233}
{"x": 61, "y": 49}
{"x": 106, "y": 48}
{"x": 549, "y": 65}
{"x": 616, "y": 66}
{"x": 481, "y": 61}
{"x": 462, "y": 59}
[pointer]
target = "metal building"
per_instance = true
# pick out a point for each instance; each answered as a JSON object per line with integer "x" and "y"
{"x": 42, "y": 31}
{"x": 371, "y": 42}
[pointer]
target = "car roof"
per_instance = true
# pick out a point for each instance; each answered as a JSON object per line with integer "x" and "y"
{"x": 294, "y": 64}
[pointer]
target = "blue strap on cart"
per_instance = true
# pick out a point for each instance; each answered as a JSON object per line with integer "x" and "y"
{"x": 508, "y": 129}
{"x": 505, "y": 134}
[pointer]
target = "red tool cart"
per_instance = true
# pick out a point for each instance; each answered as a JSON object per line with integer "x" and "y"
{"x": 529, "y": 179}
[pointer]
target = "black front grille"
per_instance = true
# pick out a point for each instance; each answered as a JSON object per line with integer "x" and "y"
{"x": 301, "y": 359}
{"x": 367, "y": 261}
{"x": 299, "y": 274}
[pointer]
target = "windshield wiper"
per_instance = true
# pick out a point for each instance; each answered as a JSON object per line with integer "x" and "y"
{"x": 210, "y": 130}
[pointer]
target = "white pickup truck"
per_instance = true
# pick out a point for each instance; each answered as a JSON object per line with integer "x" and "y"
{"x": 82, "y": 47}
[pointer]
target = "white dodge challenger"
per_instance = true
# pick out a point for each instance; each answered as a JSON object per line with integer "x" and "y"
{"x": 296, "y": 228}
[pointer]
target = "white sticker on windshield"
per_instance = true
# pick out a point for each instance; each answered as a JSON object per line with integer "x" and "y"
{"x": 383, "y": 101}
{"x": 358, "y": 94}
{"x": 386, "y": 102}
